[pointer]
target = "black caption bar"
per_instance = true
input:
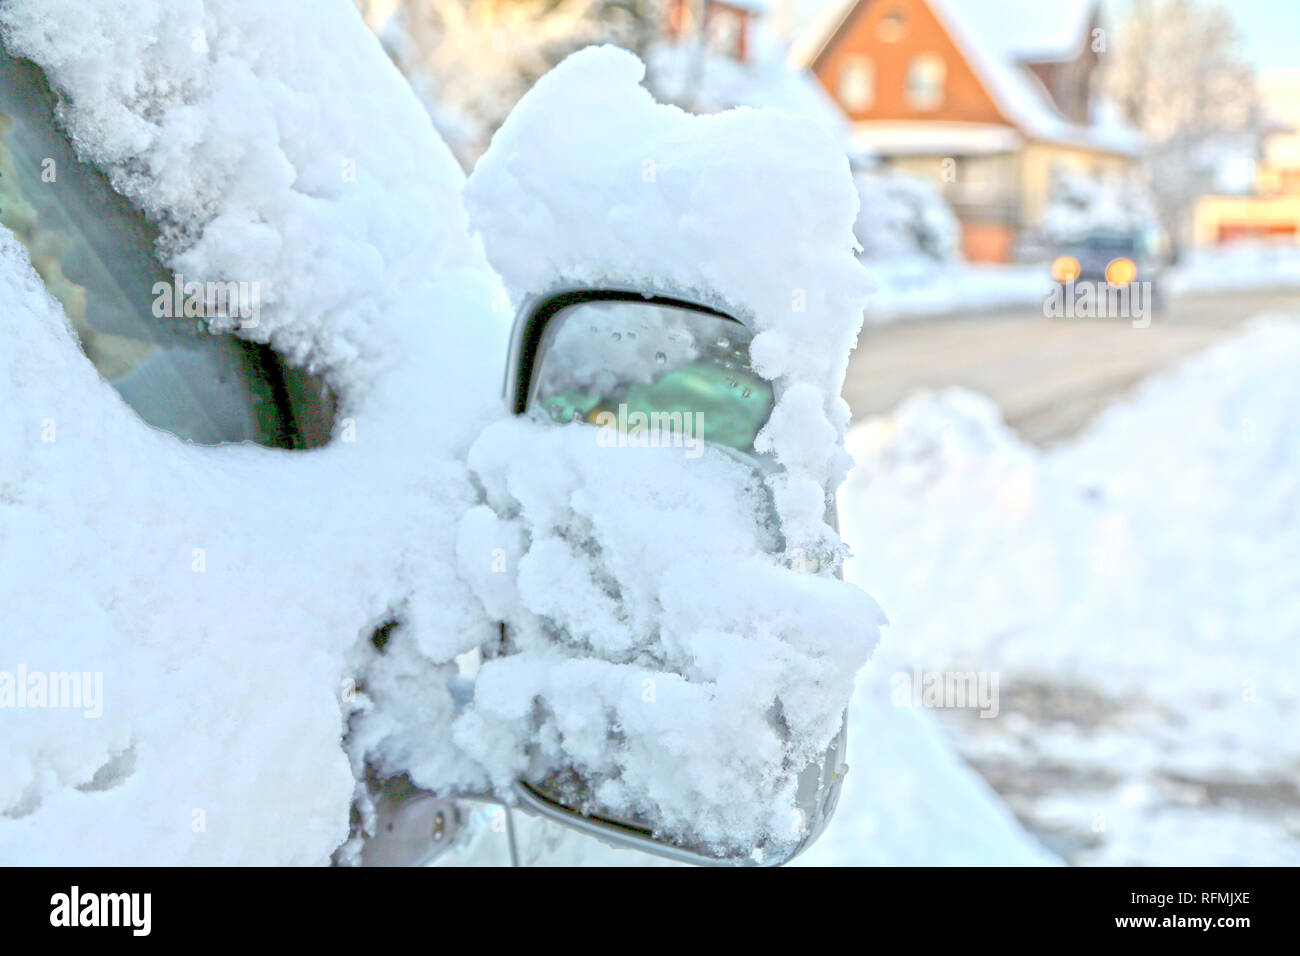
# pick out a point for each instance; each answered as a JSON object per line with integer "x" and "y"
{"x": 133, "y": 906}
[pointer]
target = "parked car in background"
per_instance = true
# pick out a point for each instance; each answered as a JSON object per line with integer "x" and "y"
{"x": 1117, "y": 258}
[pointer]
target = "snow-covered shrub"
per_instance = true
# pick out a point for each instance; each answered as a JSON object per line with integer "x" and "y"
{"x": 903, "y": 216}
{"x": 1081, "y": 203}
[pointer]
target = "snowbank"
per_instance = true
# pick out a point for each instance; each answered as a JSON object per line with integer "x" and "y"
{"x": 902, "y": 217}
{"x": 1135, "y": 589}
{"x": 1236, "y": 267}
{"x": 914, "y": 286}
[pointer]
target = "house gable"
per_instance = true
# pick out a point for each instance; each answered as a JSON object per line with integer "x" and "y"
{"x": 1069, "y": 79}
{"x": 887, "y": 49}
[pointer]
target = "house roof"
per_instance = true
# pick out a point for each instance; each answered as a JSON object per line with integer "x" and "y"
{"x": 998, "y": 37}
{"x": 1032, "y": 30}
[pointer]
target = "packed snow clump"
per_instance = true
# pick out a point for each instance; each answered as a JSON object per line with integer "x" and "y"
{"x": 653, "y": 612}
{"x": 660, "y": 194}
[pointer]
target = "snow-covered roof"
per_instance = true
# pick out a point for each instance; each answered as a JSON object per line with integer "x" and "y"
{"x": 824, "y": 19}
{"x": 1030, "y": 30}
{"x": 998, "y": 38}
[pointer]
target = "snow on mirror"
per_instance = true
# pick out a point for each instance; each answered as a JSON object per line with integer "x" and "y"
{"x": 656, "y": 373}
{"x": 652, "y": 373}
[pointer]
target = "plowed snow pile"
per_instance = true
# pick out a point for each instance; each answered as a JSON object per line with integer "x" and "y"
{"x": 1137, "y": 590}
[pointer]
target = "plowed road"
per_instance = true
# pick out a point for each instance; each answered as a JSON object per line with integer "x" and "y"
{"x": 1049, "y": 376}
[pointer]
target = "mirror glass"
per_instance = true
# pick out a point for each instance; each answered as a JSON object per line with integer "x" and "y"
{"x": 652, "y": 374}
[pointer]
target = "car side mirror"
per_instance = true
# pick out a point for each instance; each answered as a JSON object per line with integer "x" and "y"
{"x": 649, "y": 369}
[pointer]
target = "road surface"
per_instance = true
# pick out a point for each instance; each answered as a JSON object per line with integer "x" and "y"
{"x": 1049, "y": 376}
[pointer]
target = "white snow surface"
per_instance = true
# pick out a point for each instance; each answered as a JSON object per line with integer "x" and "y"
{"x": 1135, "y": 589}
{"x": 221, "y": 590}
{"x": 262, "y": 158}
{"x": 1236, "y": 266}
{"x": 228, "y": 594}
{"x": 913, "y": 286}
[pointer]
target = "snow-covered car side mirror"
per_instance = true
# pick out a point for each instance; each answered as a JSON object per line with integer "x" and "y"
{"x": 650, "y": 370}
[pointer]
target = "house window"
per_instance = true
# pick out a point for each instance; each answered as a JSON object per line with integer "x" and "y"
{"x": 726, "y": 32}
{"x": 857, "y": 86}
{"x": 925, "y": 79}
{"x": 891, "y": 27}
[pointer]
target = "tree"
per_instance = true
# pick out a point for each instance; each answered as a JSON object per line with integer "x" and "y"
{"x": 1177, "y": 74}
{"x": 471, "y": 60}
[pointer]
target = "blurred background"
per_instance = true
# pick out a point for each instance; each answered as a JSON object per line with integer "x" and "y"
{"x": 1092, "y": 507}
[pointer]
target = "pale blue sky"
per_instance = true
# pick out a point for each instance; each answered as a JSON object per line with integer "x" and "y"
{"x": 1270, "y": 30}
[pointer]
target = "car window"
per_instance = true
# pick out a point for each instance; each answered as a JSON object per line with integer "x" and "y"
{"x": 1117, "y": 244}
{"x": 94, "y": 252}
